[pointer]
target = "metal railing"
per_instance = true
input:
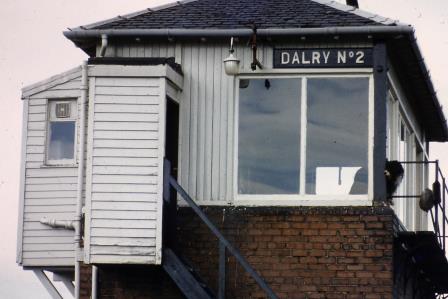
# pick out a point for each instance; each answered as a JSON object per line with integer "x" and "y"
{"x": 224, "y": 244}
{"x": 438, "y": 212}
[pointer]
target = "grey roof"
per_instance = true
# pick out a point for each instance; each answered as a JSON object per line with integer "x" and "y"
{"x": 226, "y": 14}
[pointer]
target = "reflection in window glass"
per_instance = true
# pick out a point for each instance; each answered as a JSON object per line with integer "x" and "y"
{"x": 61, "y": 140}
{"x": 269, "y": 135}
{"x": 337, "y": 136}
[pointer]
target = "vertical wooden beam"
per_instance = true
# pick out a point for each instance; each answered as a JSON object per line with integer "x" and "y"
{"x": 380, "y": 121}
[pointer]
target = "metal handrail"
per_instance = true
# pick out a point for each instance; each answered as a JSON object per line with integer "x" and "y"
{"x": 224, "y": 244}
{"x": 439, "y": 207}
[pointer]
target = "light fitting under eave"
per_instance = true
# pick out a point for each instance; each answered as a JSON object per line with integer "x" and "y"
{"x": 231, "y": 63}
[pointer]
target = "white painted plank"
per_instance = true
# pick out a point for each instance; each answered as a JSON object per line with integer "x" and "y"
{"x": 37, "y": 125}
{"x": 50, "y": 194}
{"x": 201, "y": 115}
{"x": 102, "y": 223}
{"x": 123, "y": 215}
{"x": 127, "y": 99}
{"x": 51, "y": 180}
{"x": 48, "y": 262}
{"x": 124, "y": 135}
{"x": 35, "y": 149}
{"x": 145, "y": 144}
{"x": 124, "y": 188}
{"x": 50, "y": 201}
{"x": 35, "y": 141}
{"x": 124, "y": 108}
{"x": 130, "y": 117}
{"x": 124, "y": 206}
{"x": 216, "y": 124}
{"x": 49, "y": 240}
{"x": 115, "y": 259}
{"x": 132, "y": 197}
{"x": 124, "y": 81}
{"x": 34, "y": 133}
{"x": 49, "y": 94}
{"x": 52, "y": 172}
{"x": 126, "y": 170}
{"x": 122, "y": 232}
{"x": 209, "y": 99}
{"x": 124, "y": 179}
{"x": 50, "y": 209}
{"x": 119, "y": 161}
{"x": 224, "y": 123}
{"x": 48, "y": 247}
{"x": 122, "y": 250}
{"x": 126, "y": 126}
{"x": 108, "y": 241}
{"x": 70, "y": 85}
{"x": 51, "y": 187}
{"x": 125, "y": 152}
{"x": 37, "y": 102}
{"x": 51, "y": 232}
{"x": 49, "y": 254}
{"x": 127, "y": 90}
{"x": 37, "y": 109}
{"x": 30, "y": 157}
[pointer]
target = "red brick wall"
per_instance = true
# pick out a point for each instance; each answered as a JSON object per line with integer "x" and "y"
{"x": 301, "y": 252}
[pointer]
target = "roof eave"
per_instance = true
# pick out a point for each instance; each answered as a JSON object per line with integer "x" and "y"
{"x": 80, "y": 34}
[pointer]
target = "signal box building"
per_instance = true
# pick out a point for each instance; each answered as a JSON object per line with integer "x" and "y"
{"x": 237, "y": 149}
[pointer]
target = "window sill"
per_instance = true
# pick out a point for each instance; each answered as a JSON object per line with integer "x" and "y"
{"x": 303, "y": 200}
{"x": 59, "y": 166}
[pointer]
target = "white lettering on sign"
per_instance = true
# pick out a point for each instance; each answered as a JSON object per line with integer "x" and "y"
{"x": 344, "y": 57}
{"x": 285, "y": 57}
{"x": 316, "y": 58}
{"x": 326, "y": 56}
{"x": 360, "y": 57}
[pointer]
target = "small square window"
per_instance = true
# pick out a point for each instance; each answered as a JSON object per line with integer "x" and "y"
{"x": 61, "y": 134}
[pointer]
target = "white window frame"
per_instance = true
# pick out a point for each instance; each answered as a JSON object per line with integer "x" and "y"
{"x": 407, "y": 211}
{"x": 74, "y": 117}
{"x": 303, "y": 199}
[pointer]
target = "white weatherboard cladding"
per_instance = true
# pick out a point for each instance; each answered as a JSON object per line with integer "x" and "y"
{"x": 46, "y": 191}
{"x": 207, "y": 115}
{"x": 124, "y": 165}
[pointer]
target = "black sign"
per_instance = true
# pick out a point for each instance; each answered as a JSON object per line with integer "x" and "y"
{"x": 322, "y": 58}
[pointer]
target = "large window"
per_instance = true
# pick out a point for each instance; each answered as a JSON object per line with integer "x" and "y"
{"x": 61, "y": 134}
{"x": 303, "y": 136}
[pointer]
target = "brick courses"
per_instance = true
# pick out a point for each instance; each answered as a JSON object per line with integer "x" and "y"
{"x": 302, "y": 252}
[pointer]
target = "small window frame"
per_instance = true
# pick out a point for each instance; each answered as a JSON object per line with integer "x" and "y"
{"x": 51, "y": 104}
{"x": 302, "y": 199}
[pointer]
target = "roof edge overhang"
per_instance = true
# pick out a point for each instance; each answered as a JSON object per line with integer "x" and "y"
{"x": 438, "y": 133}
{"x": 80, "y": 34}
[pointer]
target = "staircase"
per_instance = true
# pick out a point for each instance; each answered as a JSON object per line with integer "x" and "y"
{"x": 188, "y": 281}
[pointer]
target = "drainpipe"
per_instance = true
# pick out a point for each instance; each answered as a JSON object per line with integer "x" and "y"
{"x": 79, "y": 193}
{"x": 103, "y": 45}
{"x": 94, "y": 282}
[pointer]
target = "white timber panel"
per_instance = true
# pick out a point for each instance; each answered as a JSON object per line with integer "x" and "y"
{"x": 47, "y": 191}
{"x": 126, "y": 146}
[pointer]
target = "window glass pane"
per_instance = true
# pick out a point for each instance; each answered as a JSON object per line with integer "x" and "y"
{"x": 337, "y": 136}
{"x": 269, "y": 135}
{"x": 61, "y": 141}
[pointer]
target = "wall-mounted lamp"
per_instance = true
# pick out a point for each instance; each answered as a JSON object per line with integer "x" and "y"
{"x": 231, "y": 63}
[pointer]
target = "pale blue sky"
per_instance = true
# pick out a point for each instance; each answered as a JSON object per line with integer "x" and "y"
{"x": 33, "y": 48}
